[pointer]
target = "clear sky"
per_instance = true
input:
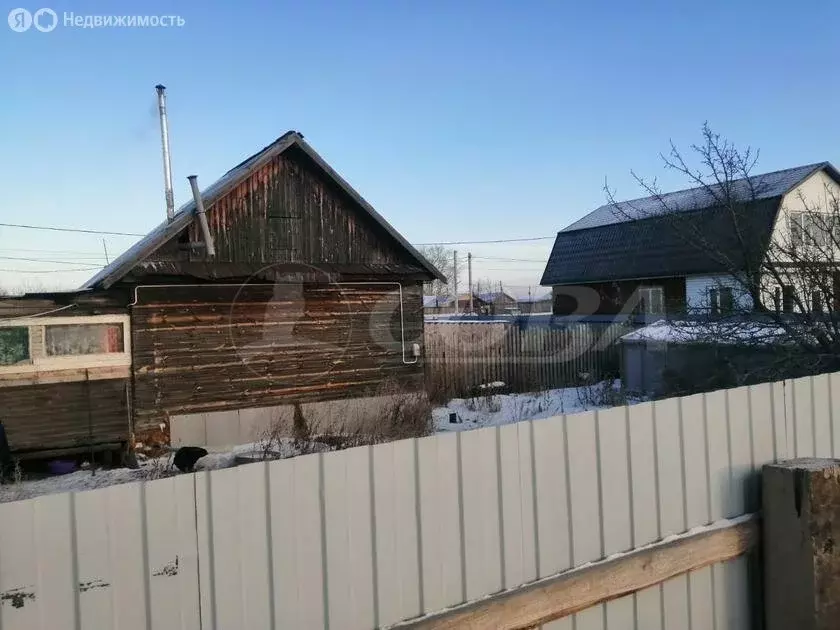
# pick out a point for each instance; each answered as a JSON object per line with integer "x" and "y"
{"x": 456, "y": 120}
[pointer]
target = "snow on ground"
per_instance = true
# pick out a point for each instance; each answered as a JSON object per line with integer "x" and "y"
{"x": 154, "y": 468}
{"x": 488, "y": 409}
{"x": 497, "y": 409}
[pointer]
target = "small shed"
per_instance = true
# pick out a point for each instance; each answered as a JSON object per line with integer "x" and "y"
{"x": 684, "y": 357}
{"x": 65, "y": 363}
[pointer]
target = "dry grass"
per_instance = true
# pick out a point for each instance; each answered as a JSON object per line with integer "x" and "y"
{"x": 395, "y": 415}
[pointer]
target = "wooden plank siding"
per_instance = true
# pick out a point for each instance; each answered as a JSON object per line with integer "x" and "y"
{"x": 613, "y": 296}
{"x": 215, "y": 347}
{"x": 288, "y": 212}
{"x": 65, "y": 415}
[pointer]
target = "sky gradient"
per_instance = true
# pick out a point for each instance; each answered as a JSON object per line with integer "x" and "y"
{"x": 457, "y": 121}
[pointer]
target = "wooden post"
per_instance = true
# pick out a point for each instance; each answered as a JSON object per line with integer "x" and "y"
{"x": 802, "y": 544}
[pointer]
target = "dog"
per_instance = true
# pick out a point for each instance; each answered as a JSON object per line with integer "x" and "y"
{"x": 187, "y": 456}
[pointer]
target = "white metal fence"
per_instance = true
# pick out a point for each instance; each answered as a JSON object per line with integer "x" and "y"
{"x": 370, "y": 536}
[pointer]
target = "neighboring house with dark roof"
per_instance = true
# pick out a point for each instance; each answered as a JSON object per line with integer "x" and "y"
{"x": 311, "y": 297}
{"x": 635, "y": 250}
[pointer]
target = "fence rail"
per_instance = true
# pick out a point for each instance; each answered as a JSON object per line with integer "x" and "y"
{"x": 373, "y": 536}
{"x": 462, "y": 355}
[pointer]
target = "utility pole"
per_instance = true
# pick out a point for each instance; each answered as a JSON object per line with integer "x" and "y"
{"x": 455, "y": 277}
{"x": 469, "y": 279}
{"x": 105, "y": 247}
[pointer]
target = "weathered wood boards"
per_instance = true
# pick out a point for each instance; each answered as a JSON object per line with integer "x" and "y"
{"x": 576, "y": 590}
{"x": 801, "y": 559}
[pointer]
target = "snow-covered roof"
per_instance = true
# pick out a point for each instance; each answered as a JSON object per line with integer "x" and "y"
{"x": 720, "y": 332}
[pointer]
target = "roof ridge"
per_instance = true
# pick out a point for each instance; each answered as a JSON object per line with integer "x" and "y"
{"x": 740, "y": 179}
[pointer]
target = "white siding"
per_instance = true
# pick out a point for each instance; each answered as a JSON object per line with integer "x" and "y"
{"x": 814, "y": 194}
{"x": 697, "y": 290}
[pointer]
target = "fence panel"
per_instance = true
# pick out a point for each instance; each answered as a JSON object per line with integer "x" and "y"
{"x": 379, "y": 535}
{"x": 460, "y": 356}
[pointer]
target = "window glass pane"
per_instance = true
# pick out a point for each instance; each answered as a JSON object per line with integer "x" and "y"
{"x": 788, "y": 298}
{"x": 73, "y": 339}
{"x": 795, "y": 226}
{"x": 14, "y": 345}
{"x": 727, "y": 301}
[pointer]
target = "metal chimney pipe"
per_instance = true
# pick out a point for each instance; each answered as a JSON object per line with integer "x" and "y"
{"x": 209, "y": 249}
{"x": 167, "y": 164}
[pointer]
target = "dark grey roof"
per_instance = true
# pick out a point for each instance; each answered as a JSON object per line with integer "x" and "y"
{"x": 607, "y": 245}
{"x": 763, "y": 186}
{"x": 147, "y": 245}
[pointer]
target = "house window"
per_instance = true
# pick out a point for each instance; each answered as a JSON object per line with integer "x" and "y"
{"x": 76, "y": 339}
{"x": 14, "y": 345}
{"x": 788, "y": 299}
{"x": 722, "y": 300}
{"x": 809, "y": 228}
{"x": 652, "y": 300}
{"x": 817, "y": 302}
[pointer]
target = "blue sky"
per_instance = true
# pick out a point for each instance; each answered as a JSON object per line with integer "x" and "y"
{"x": 456, "y": 120}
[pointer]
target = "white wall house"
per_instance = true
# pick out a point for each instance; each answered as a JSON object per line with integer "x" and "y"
{"x": 627, "y": 249}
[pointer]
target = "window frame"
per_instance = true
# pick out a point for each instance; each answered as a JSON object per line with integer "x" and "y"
{"x": 39, "y": 360}
{"x": 806, "y": 229}
{"x": 788, "y": 297}
{"x": 645, "y": 293}
{"x": 718, "y": 295}
{"x": 28, "y": 359}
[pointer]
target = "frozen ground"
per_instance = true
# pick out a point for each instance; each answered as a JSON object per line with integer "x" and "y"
{"x": 492, "y": 410}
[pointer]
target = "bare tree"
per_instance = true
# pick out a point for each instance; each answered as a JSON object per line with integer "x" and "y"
{"x": 441, "y": 257}
{"x": 779, "y": 286}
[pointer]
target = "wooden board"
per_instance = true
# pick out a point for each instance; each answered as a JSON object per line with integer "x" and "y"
{"x": 576, "y": 590}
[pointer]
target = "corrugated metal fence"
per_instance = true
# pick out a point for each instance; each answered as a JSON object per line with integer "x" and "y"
{"x": 460, "y": 355}
{"x": 370, "y": 536}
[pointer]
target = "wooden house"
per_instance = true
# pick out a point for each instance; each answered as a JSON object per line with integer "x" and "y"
{"x": 296, "y": 295}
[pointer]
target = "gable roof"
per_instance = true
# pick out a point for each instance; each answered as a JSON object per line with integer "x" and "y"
{"x": 147, "y": 245}
{"x": 635, "y": 240}
{"x": 764, "y": 186}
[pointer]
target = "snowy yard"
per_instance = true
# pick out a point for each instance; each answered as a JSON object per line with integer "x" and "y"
{"x": 488, "y": 409}
{"x": 497, "y": 409}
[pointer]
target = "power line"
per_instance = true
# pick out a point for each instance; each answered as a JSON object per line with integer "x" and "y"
{"x": 57, "y": 262}
{"x": 496, "y": 258}
{"x": 39, "y": 250}
{"x": 498, "y": 240}
{"x": 62, "y": 229}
